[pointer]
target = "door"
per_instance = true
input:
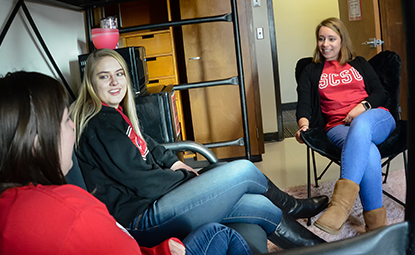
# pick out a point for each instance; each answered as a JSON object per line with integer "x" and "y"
{"x": 363, "y": 29}
{"x": 380, "y": 19}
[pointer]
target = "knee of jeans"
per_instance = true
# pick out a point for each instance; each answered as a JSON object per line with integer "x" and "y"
{"x": 245, "y": 170}
{"x": 360, "y": 122}
{"x": 374, "y": 157}
{"x": 244, "y": 165}
{"x": 214, "y": 226}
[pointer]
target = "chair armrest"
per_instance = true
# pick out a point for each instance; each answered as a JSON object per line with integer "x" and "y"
{"x": 194, "y": 147}
{"x": 317, "y": 140}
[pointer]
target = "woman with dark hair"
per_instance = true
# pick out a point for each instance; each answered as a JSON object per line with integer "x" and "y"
{"x": 342, "y": 94}
{"x": 31, "y": 107}
{"x": 41, "y": 215}
{"x": 149, "y": 190}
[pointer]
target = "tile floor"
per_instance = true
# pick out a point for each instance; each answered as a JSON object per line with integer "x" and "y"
{"x": 285, "y": 163}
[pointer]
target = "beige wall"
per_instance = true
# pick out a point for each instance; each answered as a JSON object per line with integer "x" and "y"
{"x": 295, "y": 22}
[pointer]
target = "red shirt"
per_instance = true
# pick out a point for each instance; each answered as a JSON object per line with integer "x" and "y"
{"x": 61, "y": 220}
{"x": 341, "y": 89}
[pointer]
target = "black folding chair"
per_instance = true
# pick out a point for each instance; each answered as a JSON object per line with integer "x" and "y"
{"x": 387, "y": 65}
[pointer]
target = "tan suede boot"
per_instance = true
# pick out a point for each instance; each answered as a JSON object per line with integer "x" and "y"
{"x": 342, "y": 201}
{"x": 375, "y": 219}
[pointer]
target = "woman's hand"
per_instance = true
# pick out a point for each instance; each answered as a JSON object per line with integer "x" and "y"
{"x": 180, "y": 165}
{"x": 298, "y": 133}
{"x": 176, "y": 248}
{"x": 356, "y": 111}
{"x": 303, "y": 124}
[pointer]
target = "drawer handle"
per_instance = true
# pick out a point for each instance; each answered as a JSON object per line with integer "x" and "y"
{"x": 151, "y": 59}
{"x": 195, "y": 58}
{"x": 154, "y": 81}
{"x": 147, "y": 36}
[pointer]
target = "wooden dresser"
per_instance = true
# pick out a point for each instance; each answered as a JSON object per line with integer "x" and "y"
{"x": 197, "y": 53}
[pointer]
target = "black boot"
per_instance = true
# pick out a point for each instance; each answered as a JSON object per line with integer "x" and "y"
{"x": 296, "y": 208}
{"x": 291, "y": 234}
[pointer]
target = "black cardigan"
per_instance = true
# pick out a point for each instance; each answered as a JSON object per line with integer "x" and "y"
{"x": 116, "y": 173}
{"x": 308, "y": 104}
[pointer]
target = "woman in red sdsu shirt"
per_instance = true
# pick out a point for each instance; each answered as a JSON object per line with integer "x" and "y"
{"x": 39, "y": 215}
{"x": 342, "y": 94}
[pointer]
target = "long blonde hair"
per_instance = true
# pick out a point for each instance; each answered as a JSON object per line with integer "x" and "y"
{"x": 346, "y": 53}
{"x": 88, "y": 103}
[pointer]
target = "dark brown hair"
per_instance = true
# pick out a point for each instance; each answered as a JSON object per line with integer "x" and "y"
{"x": 31, "y": 110}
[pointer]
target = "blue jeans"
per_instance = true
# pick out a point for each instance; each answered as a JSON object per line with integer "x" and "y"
{"x": 214, "y": 239}
{"x": 231, "y": 193}
{"x": 361, "y": 160}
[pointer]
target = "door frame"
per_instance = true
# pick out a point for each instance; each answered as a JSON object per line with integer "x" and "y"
{"x": 274, "y": 58}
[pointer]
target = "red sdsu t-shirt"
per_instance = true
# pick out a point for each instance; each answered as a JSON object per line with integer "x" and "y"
{"x": 341, "y": 89}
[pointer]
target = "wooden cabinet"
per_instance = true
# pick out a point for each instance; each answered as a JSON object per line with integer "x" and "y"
{"x": 208, "y": 54}
{"x": 159, "y": 54}
{"x": 158, "y": 44}
{"x": 155, "y": 42}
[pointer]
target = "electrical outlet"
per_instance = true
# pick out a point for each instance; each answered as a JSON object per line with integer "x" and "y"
{"x": 257, "y": 3}
{"x": 259, "y": 33}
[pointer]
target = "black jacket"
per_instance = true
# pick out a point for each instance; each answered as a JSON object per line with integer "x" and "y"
{"x": 116, "y": 173}
{"x": 308, "y": 104}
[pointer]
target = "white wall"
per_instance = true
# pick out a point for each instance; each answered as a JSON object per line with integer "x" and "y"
{"x": 295, "y": 23}
{"x": 63, "y": 31}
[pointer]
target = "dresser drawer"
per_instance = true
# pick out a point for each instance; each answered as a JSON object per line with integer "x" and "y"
{"x": 162, "y": 81}
{"x": 154, "y": 43}
{"x": 160, "y": 66}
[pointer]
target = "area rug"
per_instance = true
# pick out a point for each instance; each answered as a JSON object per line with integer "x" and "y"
{"x": 396, "y": 185}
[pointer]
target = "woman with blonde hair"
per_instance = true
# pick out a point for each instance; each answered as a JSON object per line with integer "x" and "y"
{"x": 88, "y": 103}
{"x": 342, "y": 94}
